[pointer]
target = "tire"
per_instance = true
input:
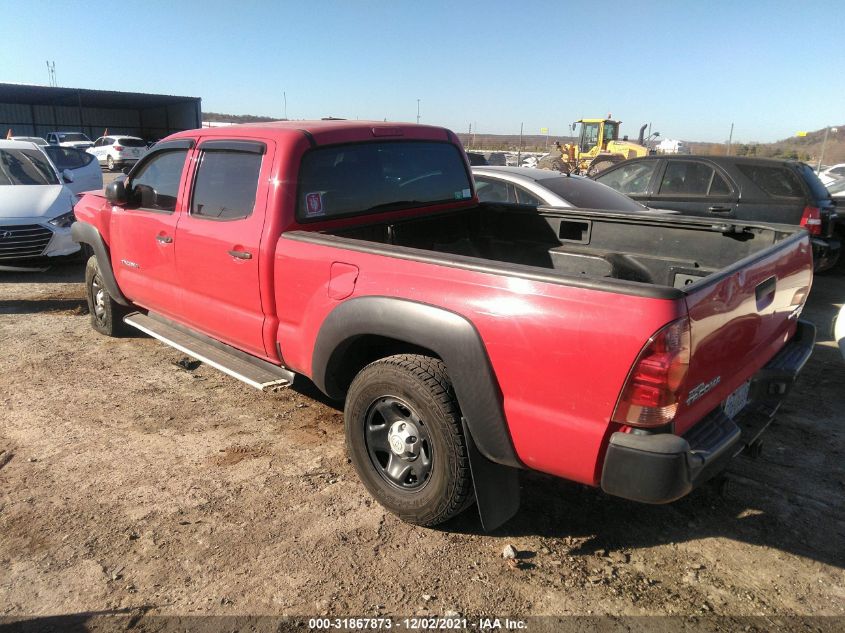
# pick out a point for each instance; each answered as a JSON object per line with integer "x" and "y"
{"x": 110, "y": 163}
{"x": 602, "y": 163}
{"x": 409, "y": 397}
{"x": 106, "y": 313}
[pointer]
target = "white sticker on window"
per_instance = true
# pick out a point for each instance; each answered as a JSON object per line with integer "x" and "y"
{"x": 467, "y": 193}
{"x": 314, "y": 204}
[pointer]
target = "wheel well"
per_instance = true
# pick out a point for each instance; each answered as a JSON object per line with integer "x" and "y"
{"x": 355, "y": 353}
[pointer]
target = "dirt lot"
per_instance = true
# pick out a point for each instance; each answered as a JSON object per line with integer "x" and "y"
{"x": 128, "y": 482}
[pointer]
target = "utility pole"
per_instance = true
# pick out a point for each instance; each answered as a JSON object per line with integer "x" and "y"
{"x": 418, "y": 111}
{"x": 824, "y": 142}
{"x": 519, "y": 153}
{"x": 51, "y": 73}
{"x": 730, "y": 139}
{"x": 285, "y": 95}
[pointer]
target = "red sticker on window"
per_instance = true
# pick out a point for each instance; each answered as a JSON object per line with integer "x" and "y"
{"x": 314, "y": 204}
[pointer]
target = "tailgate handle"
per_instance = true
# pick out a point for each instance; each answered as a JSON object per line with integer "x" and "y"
{"x": 765, "y": 292}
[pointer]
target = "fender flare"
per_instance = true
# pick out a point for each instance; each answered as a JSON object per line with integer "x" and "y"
{"x": 85, "y": 233}
{"x": 451, "y": 336}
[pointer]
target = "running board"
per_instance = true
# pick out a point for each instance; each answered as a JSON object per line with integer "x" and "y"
{"x": 253, "y": 371}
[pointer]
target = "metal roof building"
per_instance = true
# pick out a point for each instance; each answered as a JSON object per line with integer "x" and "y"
{"x": 37, "y": 110}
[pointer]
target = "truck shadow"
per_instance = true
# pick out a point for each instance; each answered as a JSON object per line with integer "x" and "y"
{"x": 733, "y": 506}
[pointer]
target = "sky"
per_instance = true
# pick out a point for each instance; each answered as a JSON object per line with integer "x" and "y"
{"x": 690, "y": 68}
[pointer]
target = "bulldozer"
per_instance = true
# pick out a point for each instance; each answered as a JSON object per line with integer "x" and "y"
{"x": 598, "y": 148}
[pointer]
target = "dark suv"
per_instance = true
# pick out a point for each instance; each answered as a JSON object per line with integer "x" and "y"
{"x": 730, "y": 188}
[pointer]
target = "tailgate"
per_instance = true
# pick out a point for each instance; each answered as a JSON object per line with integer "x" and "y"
{"x": 739, "y": 319}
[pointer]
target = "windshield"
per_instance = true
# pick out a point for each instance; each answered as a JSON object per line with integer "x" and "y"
{"x": 586, "y": 194}
{"x": 367, "y": 177}
{"x": 127, "y": 141}
{"x": 25, "y": 167}
{"x": 73, "y": 138}
{"x": 30, "y": 139}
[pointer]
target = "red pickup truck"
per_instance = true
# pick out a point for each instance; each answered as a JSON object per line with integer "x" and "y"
{"x": 627, "y": 351}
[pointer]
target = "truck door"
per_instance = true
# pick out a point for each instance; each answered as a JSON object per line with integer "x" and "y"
{"x": 695, "y": 187}
{"x": 142, "y": 232}
{"x": 217, "y": 242}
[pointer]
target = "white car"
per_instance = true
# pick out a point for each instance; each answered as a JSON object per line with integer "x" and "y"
{"x": 535, "y": 187}
{"x": 116, "y": 152}
{"x": 831, "y": 174}
{"x": 37, "y": 140}
{"x": 839, "y": 330}
{"x": 36, "y": 208}
{"x": 85, "y": 171}
{"x": 69, "y": 139}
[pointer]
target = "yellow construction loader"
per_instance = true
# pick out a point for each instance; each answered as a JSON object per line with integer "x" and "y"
{"x": 598, "y": 148}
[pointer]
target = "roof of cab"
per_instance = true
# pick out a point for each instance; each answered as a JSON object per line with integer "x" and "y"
{"x": 326, "y": 131}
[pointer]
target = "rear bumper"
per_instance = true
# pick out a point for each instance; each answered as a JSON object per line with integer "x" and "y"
{"x": 825, "y": 252}
{"x": 659, "y": 468}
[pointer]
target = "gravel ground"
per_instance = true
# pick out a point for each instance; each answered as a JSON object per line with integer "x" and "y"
{"x": 129, "y": 483}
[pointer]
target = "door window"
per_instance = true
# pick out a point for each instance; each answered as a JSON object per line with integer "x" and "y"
{"x": 589, "y": 136}
{"x": 225, "y": 185}
{"x": 689, "y": 178}
{"x": 526, "y": 197}
{"x": 156, "y": 184}
{"x": 631, "y": 178}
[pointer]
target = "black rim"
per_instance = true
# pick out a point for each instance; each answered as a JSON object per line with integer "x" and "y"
{"x": 398, "y": 443}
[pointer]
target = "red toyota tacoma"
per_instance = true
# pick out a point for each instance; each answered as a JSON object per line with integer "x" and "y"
{"x": 633, "y": 352}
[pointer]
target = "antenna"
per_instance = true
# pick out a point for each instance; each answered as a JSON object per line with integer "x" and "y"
{"x": 51, "y": 74}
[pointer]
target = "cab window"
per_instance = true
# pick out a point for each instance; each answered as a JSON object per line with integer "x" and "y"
{"x": 156, "y": 184}
{"x": 225, "y": 185}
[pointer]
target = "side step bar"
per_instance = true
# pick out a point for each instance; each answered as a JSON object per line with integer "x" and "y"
{"x": 253, "y": 371}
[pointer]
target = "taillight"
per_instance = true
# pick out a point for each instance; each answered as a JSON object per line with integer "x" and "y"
{"x": 812, "y": 220}
{"x": 118, "y": 148}
{"x": 652, "y": 391}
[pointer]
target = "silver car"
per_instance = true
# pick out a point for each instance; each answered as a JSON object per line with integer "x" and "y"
{"x": 536, "y": 187}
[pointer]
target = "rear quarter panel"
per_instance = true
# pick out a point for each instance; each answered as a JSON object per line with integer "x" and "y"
{"x": 560, "y": 353}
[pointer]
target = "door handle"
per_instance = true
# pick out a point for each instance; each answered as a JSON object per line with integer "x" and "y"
{"x": 240, "y": 254}
{"x": 719, "y": 209}
{"x": 163, "y": 239}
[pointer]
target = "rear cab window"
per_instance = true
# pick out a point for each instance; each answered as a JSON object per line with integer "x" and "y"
{"x": 360, "y": 178}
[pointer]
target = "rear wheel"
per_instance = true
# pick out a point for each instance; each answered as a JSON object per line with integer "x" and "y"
{"x": 404, "y": 436}
{"x": 110, "y": 163}
{"x": 106, "y": 313}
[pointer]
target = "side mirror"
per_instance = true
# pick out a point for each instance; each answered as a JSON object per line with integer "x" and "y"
{"x": 67, "y": 175}
{"x": 116, "y": 192}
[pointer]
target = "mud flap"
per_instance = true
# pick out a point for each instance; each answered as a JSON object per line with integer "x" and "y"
{"x": 496, "y": 486}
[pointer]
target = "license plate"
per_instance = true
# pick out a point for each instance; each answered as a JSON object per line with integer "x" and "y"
{"x": 737, "y": 400}
{"x": 134, "y": 152}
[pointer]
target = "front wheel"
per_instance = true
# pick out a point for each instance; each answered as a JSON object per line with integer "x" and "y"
{"x": 106, "y": 313}
{"x": 404, "y": 436}
{"x": 110, "y": 163}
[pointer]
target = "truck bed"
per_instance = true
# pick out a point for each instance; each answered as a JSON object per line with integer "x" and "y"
{"x": 670, "y": 251}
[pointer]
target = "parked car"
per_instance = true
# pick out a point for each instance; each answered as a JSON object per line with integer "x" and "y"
{"x": 86, "y": 173}
{"x": 116, "y": 152}
{"x": 728, "y": 189}
{"x": 36, "y": 209}
{"x": 476, "y": 158}
{"x": 831, "y": 174}
{"x": 69, "y": 139}
{"x": 468, "y": 340}
{"x": 37, "y": 140}
{"x": 535, "y": 187}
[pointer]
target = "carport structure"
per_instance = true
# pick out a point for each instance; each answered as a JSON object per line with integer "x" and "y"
{"x": 37, "y": 110}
